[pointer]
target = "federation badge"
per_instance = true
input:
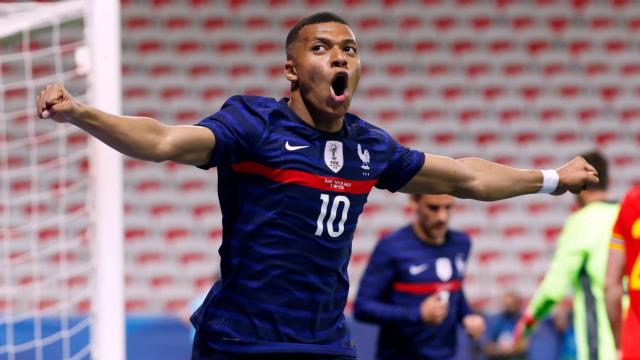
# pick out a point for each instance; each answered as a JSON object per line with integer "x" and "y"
{"x": 333, "y": 155}
{"x": 444, "y": 269}
{"x": 364, "y": 157}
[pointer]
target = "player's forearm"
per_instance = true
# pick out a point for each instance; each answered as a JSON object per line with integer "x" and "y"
{"x": 473, "y": 178}
{"x": 138, "y": 137}
{"x": 377, "y": 312}
{"x": 492, "y": 181}
{"x": 613, "y": 295}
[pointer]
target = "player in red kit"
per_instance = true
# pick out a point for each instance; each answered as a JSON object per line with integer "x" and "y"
{"x": 624, "y": 260}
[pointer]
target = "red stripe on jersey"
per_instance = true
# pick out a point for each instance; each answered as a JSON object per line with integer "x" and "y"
{"x": 427, "y": 288}
{"x": 306, "y": 179}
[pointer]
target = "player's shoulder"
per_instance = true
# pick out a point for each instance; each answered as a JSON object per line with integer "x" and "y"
{"x": 633, "y": 196}
{"x": 251, "y": 103}
{"x": 362, "y": 128}
{"x": 396, "y": 237}
{"x": 458, "y": 237}
{"x": 593, "y": 212}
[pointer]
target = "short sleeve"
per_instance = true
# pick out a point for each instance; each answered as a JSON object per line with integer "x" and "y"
{"x": 404, "y": 164}
{"x": 618, "y": 238}
{"x": 620, "y": 226}
{"x": 238, "y": 128}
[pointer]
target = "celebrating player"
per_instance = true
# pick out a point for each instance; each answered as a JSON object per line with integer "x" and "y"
{"x": 624, "y": 260}
{"x": 579, "y": 262}
{"x": 413, "y": 286}
{"x": 294, "y": 175}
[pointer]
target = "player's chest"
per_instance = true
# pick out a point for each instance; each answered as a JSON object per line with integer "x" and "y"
{"x": 324, "y": 155}
{"x": 419, "y": 266}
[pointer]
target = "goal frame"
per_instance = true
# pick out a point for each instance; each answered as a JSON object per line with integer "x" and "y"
{"x": 108, "y": 333}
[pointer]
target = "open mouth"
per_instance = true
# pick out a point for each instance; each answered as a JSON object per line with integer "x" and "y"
{"x": 339, "y": 85}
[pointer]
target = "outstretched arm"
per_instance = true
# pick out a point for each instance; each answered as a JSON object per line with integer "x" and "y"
{"x": 139, "y": 137}
{"x": 485, "y": 180}
{"x": 613, "y": 290}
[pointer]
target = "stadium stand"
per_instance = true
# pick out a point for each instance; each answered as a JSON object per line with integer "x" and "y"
{"x": 516, "y": 82}
{"x": 525, "y": 83}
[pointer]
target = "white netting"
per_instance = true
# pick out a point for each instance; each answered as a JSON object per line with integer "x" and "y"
{"x": 45, "y": 282}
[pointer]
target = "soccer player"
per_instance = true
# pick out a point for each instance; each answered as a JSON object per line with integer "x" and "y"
{"x": 498, "y": 342}
{"x": 412, "y": 286}
{"x": 293, "y": 177}
{"x": 580, "y": 262}
{"x": 624, "y": 260}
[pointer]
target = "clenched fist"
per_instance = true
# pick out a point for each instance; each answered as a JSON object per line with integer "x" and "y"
{"x": 575, "y": 176}
{"x": 55, "y": 102}
{"x": 474, "y": 325}
{"x": 434, "y": 309}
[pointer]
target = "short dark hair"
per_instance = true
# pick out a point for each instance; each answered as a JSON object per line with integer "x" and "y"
{"x": 317, "y": 18}
{"x": 598, "y": 161}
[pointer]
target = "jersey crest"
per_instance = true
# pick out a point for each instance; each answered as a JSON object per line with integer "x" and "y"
{"x": 444, "y": 269}
{"x": 333, "y": 155}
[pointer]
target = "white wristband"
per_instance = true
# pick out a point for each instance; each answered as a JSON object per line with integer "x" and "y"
{"x": 550, "y": 180}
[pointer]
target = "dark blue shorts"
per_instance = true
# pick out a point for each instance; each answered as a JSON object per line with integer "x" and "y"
{"x": 202, "y": 352}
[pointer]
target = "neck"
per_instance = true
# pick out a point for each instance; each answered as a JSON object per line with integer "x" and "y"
{"x": 314, "y": 117}
{"x": 423, "y": 235}
{"x": 589, "y": 196}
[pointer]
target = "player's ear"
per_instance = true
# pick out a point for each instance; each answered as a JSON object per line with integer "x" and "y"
{"x": 290, "y": 71}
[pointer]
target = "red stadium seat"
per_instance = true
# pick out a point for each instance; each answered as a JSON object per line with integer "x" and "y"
{"x": 150, "y": 258}
{"x": 176, "y": 23}
{"x": 409, "y": 23}
{"x": 558, "y": 23}
{"x": 481, "y": 23}
{"x": 173, "y": 235}
{"x": 615, "y": 46}
{"x": 136, "y": 305}
{"x": 175, "y": 305}
{"x": 214, "y": 23}
{"x": 188, "y": 47}
{"x": 134, "y": 234}
{"x": 161, "y": 281}
{"x": 444, "y": 23}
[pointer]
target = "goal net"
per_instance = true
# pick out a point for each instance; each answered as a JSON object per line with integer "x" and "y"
{"x": 48, "y": 219}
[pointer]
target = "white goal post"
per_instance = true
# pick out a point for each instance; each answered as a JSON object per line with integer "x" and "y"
{"x": 28, "y": 171}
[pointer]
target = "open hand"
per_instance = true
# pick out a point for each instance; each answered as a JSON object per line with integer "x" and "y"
{"x": 55, "y": 102}
{"x": 575, "y": 176}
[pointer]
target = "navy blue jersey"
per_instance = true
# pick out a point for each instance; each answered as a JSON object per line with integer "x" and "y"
{"x": 290, "y": 197}
{"x": 402, "y": 272}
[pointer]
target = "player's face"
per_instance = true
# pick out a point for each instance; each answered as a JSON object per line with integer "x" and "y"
{"x": 510, "y": 303}
{"x": 433, "y": 214}
{"x": 326, "y": 67}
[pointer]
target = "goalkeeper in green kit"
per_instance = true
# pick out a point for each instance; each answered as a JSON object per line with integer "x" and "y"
{"x": 580, "y": 263}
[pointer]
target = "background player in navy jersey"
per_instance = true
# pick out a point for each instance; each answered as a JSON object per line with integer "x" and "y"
{"x": 413, "y": 286}
{"x": 294, "y": 176}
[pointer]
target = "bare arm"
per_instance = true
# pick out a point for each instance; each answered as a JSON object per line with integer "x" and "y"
{"x": 613, "y": 291}
{"x": 485, "y": 180}
{"x": 140, "y": 137}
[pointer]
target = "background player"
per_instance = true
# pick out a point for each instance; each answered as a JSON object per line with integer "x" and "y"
{"x": 579, "y": 263}
{"x": 498, "y": 344}
{"x": 413, "y": 286}
{"x": 624, "y": 260}
{"x": 293, "y": 178}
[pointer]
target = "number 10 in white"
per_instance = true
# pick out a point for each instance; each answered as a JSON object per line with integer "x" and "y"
{"x": 334, "y": 210}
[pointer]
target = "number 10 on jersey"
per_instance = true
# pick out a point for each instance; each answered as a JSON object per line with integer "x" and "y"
{"x": 335, "y": 205}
